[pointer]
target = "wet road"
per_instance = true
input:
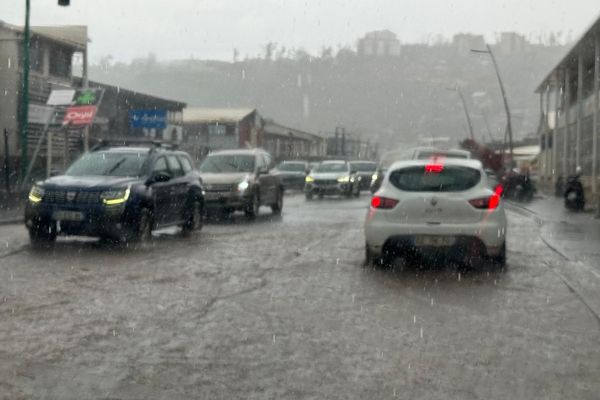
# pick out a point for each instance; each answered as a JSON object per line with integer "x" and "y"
{"x": 284, "y": 308}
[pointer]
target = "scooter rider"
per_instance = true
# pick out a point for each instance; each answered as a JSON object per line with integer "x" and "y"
{"x": 574, "y": 195}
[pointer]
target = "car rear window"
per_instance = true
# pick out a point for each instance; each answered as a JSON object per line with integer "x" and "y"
{"x": 435, "y": 178}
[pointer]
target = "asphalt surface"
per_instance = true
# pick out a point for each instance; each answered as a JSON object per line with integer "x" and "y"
{"x": 284, "y": 308}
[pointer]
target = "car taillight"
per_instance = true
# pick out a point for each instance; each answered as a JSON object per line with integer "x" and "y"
{"x": 434, "y": 168}
{"x": 383, "y": 202}
{"x": 486, "y": 203}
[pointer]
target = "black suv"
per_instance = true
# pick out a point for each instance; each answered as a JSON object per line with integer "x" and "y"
{"x": 121, "y": 193}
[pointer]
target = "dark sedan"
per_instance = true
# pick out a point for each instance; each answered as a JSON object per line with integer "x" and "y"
{"x": 365, "y": 170}
{"x": 292, "y": 174}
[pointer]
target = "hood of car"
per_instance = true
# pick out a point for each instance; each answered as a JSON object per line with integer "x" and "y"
{"x": 329, "y": 175}
{"x": 290, "y": 173}
{"x": 231, "y": 177}
{"x": 87, "y": 182}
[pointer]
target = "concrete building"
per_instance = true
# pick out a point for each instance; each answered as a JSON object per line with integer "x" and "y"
{"x": 286, "y": 143}
{"x": 464, "y": 42}
{"x": 342, "y": 145}
{"x": 379, "y": 44}
{"x": 119, "y": 106}
{"x": 512, "y": 43}
{"x": 52, "y": 52}
{"x": 569, "y": 108}
{"x": 207, "y": 129}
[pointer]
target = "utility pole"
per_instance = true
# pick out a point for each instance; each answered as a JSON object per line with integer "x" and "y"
{"x": 504, "y": 99}
{"x": 487, "y": 125}
{"x": 465, "y": 109}
{"x": 24, "y": 109}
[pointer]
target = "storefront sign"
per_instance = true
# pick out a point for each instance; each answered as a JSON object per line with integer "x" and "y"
{"x": 79, "y": 115}
{"x": 150, "y": 119}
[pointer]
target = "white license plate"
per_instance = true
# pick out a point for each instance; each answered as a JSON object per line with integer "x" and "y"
{"x": 67, "y": 216}
{"x": 212, "y": 196}
{"x": 434, "y": 241}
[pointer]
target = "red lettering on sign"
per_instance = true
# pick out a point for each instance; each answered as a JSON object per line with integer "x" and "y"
{"x": 80, "y": 115}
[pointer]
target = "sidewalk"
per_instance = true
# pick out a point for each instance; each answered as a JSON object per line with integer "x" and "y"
{"x": 576, "y": 235}
{"x": 11, "y": 208}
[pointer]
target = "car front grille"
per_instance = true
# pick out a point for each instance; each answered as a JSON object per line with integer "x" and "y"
{"x": 326, "y": 182}
{"x": 219, "y": 187}
{"x": 71, "y": 196}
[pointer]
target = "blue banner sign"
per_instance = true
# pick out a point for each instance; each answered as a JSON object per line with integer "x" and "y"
{"x": 156, "y": 119}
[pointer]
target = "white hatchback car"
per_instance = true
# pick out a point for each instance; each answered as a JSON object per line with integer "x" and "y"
{"x": 439, "y": 205}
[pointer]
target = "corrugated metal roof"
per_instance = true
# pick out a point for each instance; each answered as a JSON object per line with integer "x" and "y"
{"x": 275, "y": 128}
{"x": 75, "y": 35}
{"x": 223, "y": 115}
{"x": 570, "y": 59}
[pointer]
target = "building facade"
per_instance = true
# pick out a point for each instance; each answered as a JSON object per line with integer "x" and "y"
{"x": 52, "y": 51}
{"x": 208, "y": 129}
{"x": 569, "y": 108}
{"x": 379, "y": 44}
{"x": 286, "y": 143}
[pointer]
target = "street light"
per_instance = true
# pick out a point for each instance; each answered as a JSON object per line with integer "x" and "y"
{"x": 464, "y": 104}
{"x": 24, "y": 108}
{"x": 24, "y": 114}
{"x": 506, "y": 109}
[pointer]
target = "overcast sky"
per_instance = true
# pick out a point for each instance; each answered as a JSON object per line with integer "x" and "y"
{"x": 175, "y": 29}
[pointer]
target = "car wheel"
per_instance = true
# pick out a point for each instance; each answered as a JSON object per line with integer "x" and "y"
{"x": 251, "y": 209}
{"x": 143, "y": 229}
{"x": 194, "y": 218}
{"x": 308, "y": 196}
{"x": 278, "y": 205}
{"x": 369, "y": 256}
{"x": 321, "y": 195}
{"x": 500, "y": 259}
{"x": 357, "y": 192}
{"x": 43, "y": 234}
{"x": 474, "y": 255}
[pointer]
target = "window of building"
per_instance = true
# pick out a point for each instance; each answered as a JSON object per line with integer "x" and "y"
{"x": 216, "y": 129}
{"x": 60, "y": 62}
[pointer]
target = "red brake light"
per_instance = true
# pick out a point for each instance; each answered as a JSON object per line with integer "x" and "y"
{"x": 435, "y": 168}
{"x": 383, "y": 202}
{"x": 489, "y": 203}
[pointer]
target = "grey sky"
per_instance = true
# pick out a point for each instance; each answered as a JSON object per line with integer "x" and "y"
{"x": 175, "y": 29}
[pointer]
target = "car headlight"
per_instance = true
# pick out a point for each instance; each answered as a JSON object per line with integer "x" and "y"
{"x": 243, "y": 185}
{"x": 309, "y": 179}
{"x": 115, "y": 196}
{"x": 344, "y": 179}
{"x": 374, "y": 177}
{"x": 35, "y": 194}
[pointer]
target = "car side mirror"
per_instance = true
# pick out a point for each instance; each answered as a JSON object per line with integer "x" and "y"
{"x": 353, "y": 172}
{"x": 159, "y": 177}
{"x": 263, "y": 171}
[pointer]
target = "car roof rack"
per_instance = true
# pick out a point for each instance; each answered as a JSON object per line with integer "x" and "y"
{"x": 152, "y": 143}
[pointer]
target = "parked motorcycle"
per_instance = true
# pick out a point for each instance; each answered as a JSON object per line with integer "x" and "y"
{"x": 518, "y": 187}
{"x": 574, "y": 195}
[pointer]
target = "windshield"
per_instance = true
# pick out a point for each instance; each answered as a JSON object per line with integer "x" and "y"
{"x": 223, "y": 163}
{"x": 331, "y": 167}
{"x": 291, "y": 167}
{"x": 423, "y": 155}
{"x": 108, "y": 164}
{"x": 442, "y": 179}
{"x": 364, "y": 166}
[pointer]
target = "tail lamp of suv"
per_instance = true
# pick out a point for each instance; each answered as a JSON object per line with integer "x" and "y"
{"x": 383, "y": 203}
